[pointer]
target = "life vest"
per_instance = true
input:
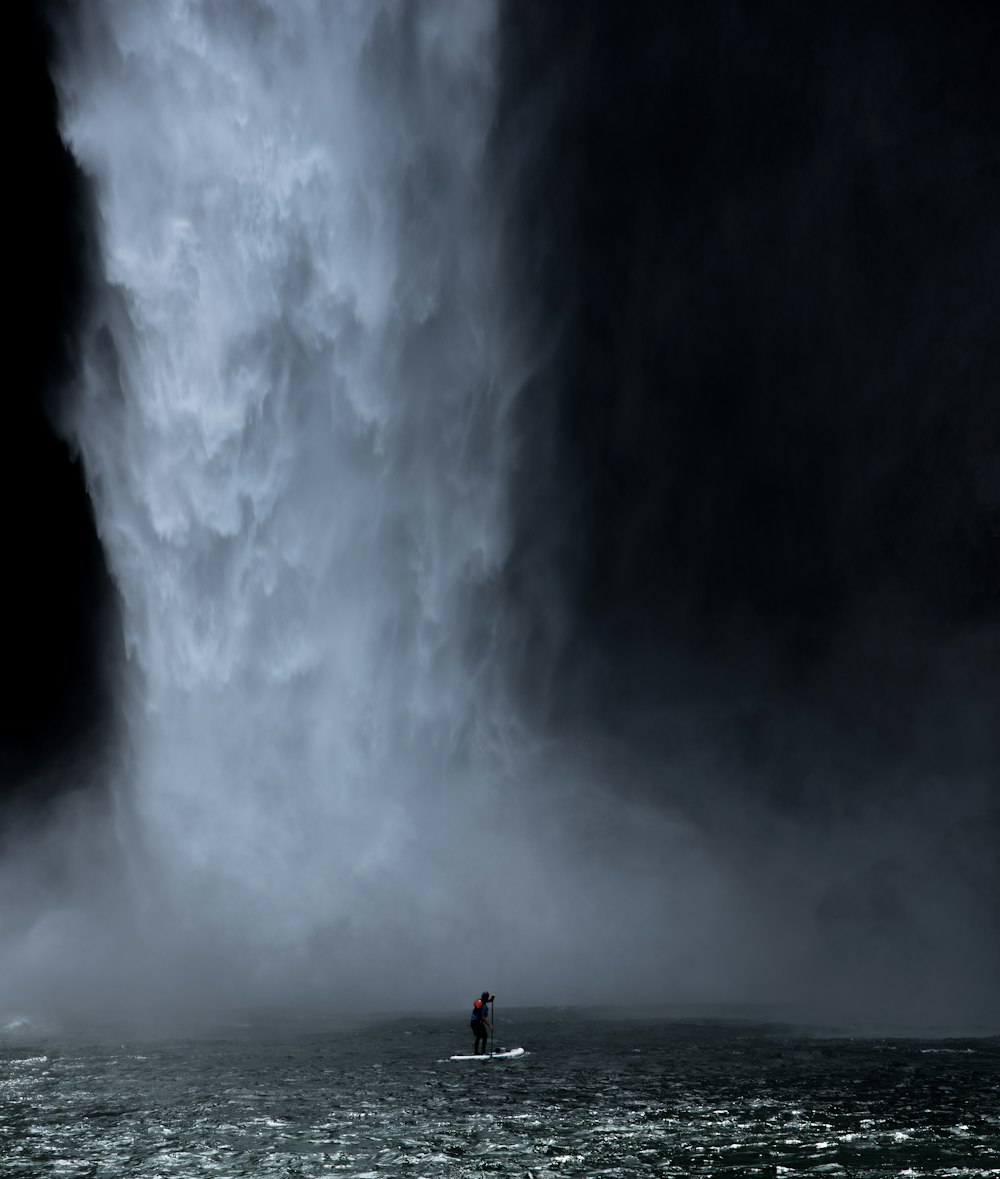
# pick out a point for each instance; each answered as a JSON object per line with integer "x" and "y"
{"x": 477, "y": 1010}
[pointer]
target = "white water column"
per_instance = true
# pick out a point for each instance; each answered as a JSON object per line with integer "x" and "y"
{"x": 291, "y": 423}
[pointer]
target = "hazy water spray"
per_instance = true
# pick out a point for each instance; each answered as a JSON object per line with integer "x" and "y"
{"x": 292, "y": 425}
{"x": 294, "y": 420}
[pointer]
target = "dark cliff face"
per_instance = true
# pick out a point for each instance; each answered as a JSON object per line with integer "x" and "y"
{"x": 58, "y": 604}
{"x": 756, "y": 256}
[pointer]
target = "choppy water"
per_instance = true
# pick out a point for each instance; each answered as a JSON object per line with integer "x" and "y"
{"x": 594, "y": 1096}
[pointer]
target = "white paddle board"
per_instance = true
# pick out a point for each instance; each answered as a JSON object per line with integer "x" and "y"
{"x": 503, "y": 1054}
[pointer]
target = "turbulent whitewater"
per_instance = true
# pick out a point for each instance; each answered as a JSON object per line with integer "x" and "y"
{"x": 294, "y": 415}
{"x": 292, "y": 427}
{"x": 319, "y": 391}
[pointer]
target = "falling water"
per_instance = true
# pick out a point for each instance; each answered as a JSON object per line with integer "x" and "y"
{"x": 300, "y": 366}
{"x": 293, "y": 419}
{"x": 292, "y": 426}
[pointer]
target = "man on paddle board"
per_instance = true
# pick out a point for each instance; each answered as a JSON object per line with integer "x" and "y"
{"x": 480, "y": 1021}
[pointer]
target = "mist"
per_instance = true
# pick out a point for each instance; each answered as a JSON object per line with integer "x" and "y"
{"x": 544, "y": 494}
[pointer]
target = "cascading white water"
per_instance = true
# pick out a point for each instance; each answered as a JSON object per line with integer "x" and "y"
{"x": 292, "y": 427}
{"x": 292, "y": 419}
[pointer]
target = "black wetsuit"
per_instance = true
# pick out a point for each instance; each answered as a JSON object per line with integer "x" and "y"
{"x": 478, "y": 1025}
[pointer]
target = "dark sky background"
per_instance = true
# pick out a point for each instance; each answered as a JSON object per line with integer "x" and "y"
{"x": 754, "y": 254}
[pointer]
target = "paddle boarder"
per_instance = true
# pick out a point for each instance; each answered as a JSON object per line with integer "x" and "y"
{"x": 480, "y": 1021}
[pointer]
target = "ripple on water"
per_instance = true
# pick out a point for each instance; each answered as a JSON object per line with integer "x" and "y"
{"x": 690, "y": 1104}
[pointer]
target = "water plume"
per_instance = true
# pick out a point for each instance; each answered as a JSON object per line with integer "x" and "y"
{"x": 440, "y": 668}
{"x": 291, "y": 420}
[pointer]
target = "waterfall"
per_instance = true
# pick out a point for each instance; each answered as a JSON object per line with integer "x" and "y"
{"x": 291, "y": 421}
{"x": 295, "y": 418}
{"x": 476, "y": 627}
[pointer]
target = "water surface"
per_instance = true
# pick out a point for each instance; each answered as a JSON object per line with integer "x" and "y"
{"x": 593, "y": 1096}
